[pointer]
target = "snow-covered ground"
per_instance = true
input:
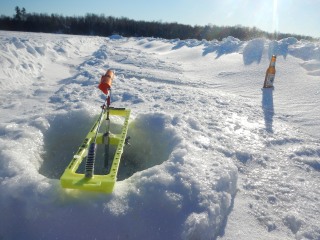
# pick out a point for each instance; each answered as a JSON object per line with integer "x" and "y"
{"x": 212, "y": 155}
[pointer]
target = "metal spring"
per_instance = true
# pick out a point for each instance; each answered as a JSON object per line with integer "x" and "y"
{"x": 90, "y": 161}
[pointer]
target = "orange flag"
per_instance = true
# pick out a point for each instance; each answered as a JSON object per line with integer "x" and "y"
{"x": 106, "y": 81}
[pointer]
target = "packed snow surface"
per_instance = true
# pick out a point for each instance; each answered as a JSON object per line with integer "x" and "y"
{"x": 212, "y": 154}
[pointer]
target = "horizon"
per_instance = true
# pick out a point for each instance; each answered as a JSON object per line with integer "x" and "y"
{"x": 288, "y": 17}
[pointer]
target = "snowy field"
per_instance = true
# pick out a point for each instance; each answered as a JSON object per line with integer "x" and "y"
{"x": 212, "y": 155}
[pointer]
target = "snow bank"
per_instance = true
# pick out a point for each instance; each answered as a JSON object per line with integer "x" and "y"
{"x": 170, "y": 185}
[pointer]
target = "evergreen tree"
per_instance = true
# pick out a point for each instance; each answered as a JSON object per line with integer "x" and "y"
{"x": 18, "y": 14}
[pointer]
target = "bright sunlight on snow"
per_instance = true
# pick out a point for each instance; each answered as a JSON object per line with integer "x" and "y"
{"x": 212, "y": 154}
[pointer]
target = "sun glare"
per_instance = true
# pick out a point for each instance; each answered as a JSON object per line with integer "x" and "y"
{"x": 275, "y": 16}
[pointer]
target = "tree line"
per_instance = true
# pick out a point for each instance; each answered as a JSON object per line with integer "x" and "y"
{"x": 101, "y": 25}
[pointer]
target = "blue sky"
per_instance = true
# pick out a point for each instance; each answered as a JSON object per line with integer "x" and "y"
{"x": 286, "y": 16}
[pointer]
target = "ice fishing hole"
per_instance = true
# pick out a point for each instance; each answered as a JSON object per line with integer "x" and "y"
{"x": 62, "y": 140}
{"x": 152, "y": 139}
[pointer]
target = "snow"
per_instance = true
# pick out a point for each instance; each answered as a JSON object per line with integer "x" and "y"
{"x": 212, "y": 155}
